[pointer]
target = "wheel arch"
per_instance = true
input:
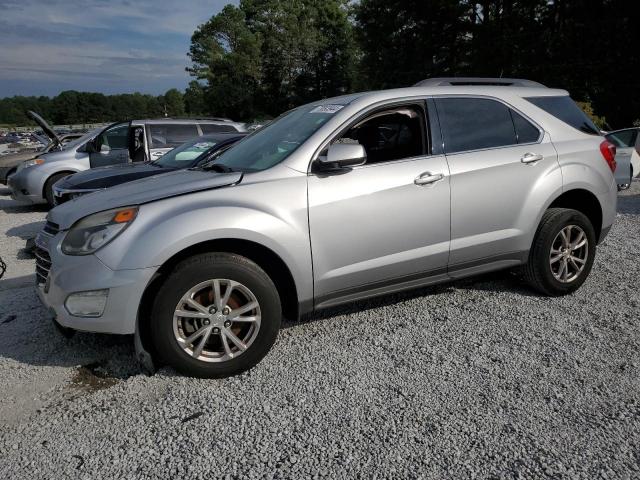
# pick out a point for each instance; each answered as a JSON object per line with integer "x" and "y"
{"x": 264, "y": 257}
{"x": 583, "y": 201}
{"x": 44, "y": 185}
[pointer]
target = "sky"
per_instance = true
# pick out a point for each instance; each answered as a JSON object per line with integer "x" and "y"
{"x": 108, "y": 46}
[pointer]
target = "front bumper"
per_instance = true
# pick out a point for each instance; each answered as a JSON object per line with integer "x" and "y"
{"x": 62, "y": 194}
{"x": 87, "y": 273}
{"x": 20, "y": 190}
{"x": 4, "y": 172}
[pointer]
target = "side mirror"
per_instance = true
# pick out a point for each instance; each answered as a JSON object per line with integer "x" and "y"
{"x": 343, "y": 155}
{"x": 104, "y": 148}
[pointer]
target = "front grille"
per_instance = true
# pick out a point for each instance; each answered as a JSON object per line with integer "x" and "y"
{"x": 51, "y": 229}
{"x": 43, "y": 265}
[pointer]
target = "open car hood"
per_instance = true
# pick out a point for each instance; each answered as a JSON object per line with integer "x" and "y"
{"x": 45, "y": 127}
{"x": 141, "y": 191}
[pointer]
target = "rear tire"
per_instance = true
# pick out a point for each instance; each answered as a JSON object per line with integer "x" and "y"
{"x": 48, "y": 187}
{"x": 203, "y": 342}
{"x": 557, "y": 266}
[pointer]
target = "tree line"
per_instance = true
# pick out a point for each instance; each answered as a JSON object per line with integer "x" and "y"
{"x": 71, "y": 107}
{"x": 262, "y": 57}
{"x": 265, "y": 56}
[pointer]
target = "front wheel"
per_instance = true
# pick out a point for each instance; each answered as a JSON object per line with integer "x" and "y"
{"x": 48, "y": 187}
{"x": 562, "y": 253}
{"x": 215, "y": 316}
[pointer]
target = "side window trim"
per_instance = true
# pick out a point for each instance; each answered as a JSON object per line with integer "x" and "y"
{"x": 358, "y": 117}
{"x": 509, "y": 106}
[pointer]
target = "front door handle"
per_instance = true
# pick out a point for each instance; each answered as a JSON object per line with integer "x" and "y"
{"x": 531, "y": 157}
{"x": 427, "y": 178}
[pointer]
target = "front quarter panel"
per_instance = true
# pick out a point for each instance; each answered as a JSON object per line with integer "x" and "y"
{"x": 272, "y": 213}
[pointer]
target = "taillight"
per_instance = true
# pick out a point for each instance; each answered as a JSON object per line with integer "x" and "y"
{"x": 608, "y": 151}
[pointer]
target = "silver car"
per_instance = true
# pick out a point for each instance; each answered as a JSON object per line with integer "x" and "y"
{"x": 135, "y": 141}
{"x": 335, "y": 201}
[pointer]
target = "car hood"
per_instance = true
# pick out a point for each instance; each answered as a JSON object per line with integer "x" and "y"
{"x": 106, "y": 177}
{"x": 138, "y": 192}
{"x": 45, "y": 127}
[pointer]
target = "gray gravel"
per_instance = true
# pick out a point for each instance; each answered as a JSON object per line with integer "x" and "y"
{"x": 476, "y": 379}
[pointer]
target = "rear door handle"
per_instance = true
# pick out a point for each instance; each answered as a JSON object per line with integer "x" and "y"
{"x": 428, "y": 178}
{"x": 531, "y": 157}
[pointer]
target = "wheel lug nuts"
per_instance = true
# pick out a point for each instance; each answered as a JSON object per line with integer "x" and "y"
{"x": 226, "y": 311}
{"x": 227, "y": 324}
{"x": 216, "y": 330}
{"x": 213, "y": 309}
{"x": 206, "y": 322}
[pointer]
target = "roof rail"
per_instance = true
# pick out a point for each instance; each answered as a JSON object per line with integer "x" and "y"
{"x": 467, "y": 81}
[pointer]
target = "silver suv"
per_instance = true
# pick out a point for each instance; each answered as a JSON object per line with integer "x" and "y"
{"x": 335, "y": 201}
{"x": 124, "y": 142}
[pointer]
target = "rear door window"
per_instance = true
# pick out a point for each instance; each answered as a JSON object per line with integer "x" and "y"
{"x": 171, "y": 135}
{"x": 565, "y": 109}
{"x": 474, "y": 124}
{"x": 216, "y": 128}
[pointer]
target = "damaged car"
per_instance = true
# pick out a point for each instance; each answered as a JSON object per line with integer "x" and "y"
{"x": 119, "y": 143}
{"x": 56, "y": 142}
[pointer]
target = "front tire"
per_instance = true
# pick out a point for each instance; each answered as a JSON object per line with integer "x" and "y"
{"x": 48, "y": 187}
{"x": 216, "y": 315}
{"x": 562, "y": 253}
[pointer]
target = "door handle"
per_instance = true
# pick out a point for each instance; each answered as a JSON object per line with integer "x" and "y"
{"x": 428, "y": 178}
{"x": 531, "y": 157}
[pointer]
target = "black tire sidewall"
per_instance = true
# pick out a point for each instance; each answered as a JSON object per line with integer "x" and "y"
{"x": 551, "y": 230}
{"x": 48, "y": 189}
{"x": 193, "y": 272}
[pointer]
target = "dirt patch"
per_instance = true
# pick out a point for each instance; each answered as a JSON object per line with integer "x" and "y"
{"x": 93, "y": 377}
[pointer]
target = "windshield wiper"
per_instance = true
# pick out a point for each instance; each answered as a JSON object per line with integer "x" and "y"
{"x": 217, "y": 167}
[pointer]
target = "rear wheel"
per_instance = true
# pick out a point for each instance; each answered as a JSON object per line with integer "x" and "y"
{"x": 48, "y": 187}
{"x": 216, "y": 315}
{"x": 562, "y": 253}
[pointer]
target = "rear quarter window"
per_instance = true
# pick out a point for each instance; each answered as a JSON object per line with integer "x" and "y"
{"x": 565, "y": 109}
{"x": 623, "y": 138}
{"x": 170, "y": 136}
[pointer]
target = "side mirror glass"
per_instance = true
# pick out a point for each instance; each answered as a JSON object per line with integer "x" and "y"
{"x": 104, "y": 148}
{"x": 343, "y": 155}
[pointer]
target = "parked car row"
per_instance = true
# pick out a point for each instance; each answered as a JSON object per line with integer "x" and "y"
{"x": 120, "y": 143}
{"x": 334, "y": 201}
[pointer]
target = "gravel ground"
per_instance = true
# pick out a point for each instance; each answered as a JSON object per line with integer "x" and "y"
{"x": 476, "y": 379}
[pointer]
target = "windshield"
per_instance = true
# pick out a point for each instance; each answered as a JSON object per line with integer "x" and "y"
{"x": 79, "y": 141}
{"x": 273, "y": 143}
{"x": 185, "y": 155}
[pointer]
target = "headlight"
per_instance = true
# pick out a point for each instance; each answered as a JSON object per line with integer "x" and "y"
{"x": 95, "y": 231}
{"x": 31, "y": 163}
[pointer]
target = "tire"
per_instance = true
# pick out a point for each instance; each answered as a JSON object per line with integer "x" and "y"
{"x": 48, "y": 187}
{"x": 220, "y": 356}
{"x": 543, "y": 266}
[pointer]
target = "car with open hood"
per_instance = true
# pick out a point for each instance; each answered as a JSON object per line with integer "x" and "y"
{"x": 54, "y": 142}
{"x": 119, "y": 143}
{"x": 195, "y": 152}
{"x": 335, "y": 201}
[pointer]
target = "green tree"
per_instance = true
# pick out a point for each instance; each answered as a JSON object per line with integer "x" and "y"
{"x": 226, "y": 56}
{"x": 173, "y": 102}
{"x": 194, "y": 99}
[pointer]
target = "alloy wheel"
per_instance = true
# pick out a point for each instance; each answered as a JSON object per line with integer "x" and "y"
{"x": 569, "y": 254}
{"x": 217, "y": 320}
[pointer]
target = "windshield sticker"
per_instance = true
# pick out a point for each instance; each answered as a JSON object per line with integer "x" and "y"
{"x": 331, "y": 109}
